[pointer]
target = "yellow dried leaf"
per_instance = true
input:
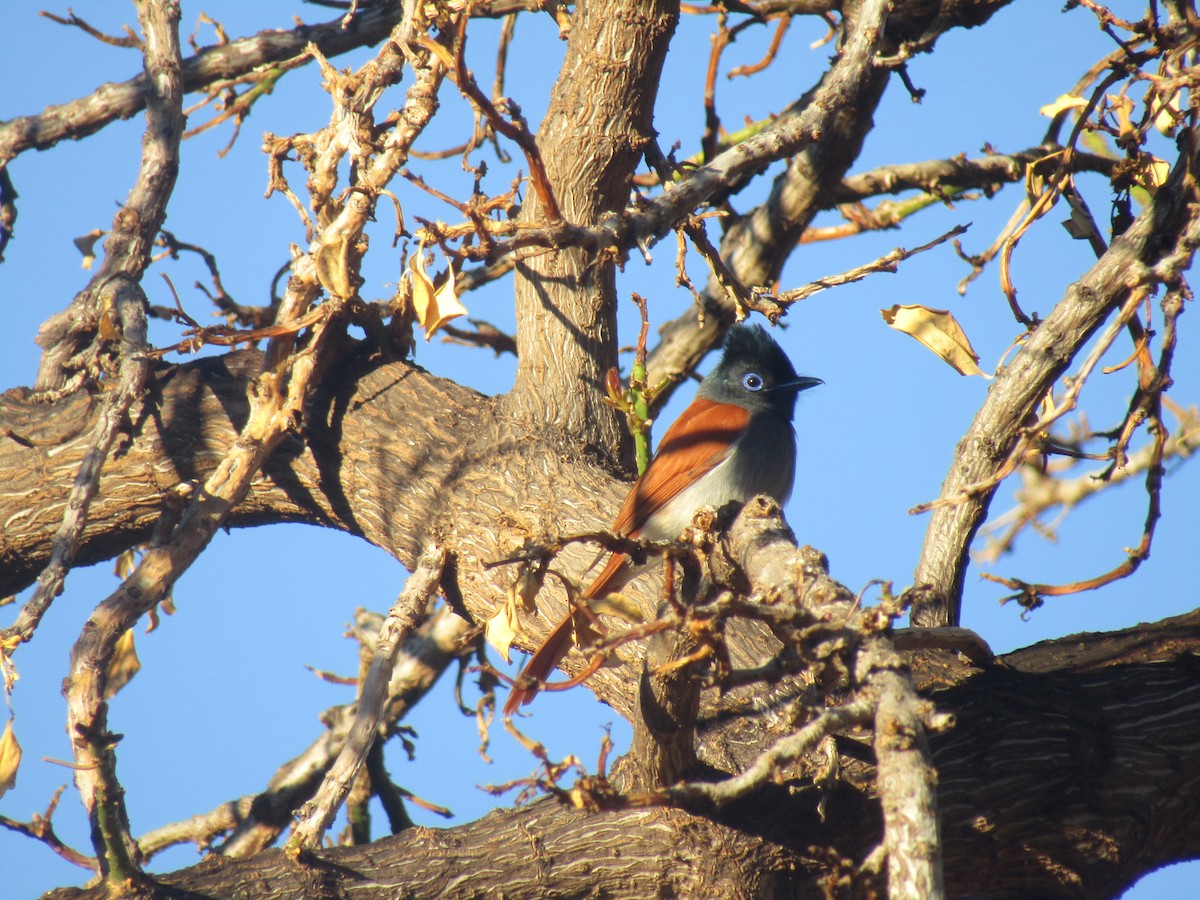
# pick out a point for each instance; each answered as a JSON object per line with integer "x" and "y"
{"x": 1152, "y": 172}
{"x": 938, "y": 330}
{"x": 1168, "y": 116}
{"x": 1122, "y": 107}
{"x": 86, "y": 245}
{"x": 10, "y": 759}
{"x": 125, "y": 563}
{"x": 617, "y": 605}
{"x": 501, "y": 630}
{"x": 110, "y": 325}
{"x": 8, "y": 672}
{"x": 11, "y": 598}
{"x": 1063, "y": 103}
{"x": 166, "y": 605}
{"x": 435, "y": 306}
{"x": 123, "y": 665}
{"x": 523, "y": 589}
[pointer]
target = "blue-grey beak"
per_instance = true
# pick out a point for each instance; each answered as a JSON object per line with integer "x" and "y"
{"x": 802, "y": 383}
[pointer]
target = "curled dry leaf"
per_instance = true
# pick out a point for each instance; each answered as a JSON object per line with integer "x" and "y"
{"x": 10, "y": 759}
{"x": 1168, "y": 116}
{"x": 1063, "y": 103}
{"x": 1152, "y": 172}
{"x": 8, "y": 672}
{"x": 335, "y": 268}
{"x": 617, "y": 605}
{"x": 123, "y": 666}
{"x": 110, "y": 325}
{"x": 938, "y": 330}
{"x": 434, "y": 306}
{"x": 501, "y": 630}
{"x": 86, "y": 244}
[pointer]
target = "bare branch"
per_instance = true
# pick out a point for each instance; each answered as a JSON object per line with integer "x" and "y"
{"x": 128, "y": 307}
{"x": 1134, "y": 262}
{"x": 266, "y": 815}
{"x": 402, "y": 621}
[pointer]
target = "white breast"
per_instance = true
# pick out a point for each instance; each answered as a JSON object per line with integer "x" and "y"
{"x": 769, "y": 468}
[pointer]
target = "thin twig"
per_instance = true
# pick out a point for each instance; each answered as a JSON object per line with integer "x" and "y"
{"x": 886, "y": 263}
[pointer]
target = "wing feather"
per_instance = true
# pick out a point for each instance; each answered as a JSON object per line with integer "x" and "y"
{"x": 694, "y": 444}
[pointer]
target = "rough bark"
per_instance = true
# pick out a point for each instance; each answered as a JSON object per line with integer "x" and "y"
{"x": 592, "y": 137}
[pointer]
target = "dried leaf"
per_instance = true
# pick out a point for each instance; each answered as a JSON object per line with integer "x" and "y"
{"x": 1064, "y": 102}
{"x": 110, "y": 325}
{"x": 1152, "y": 172}
{"x": 617, "y": 605}
{"x": 1122, "y": 107}
{"x": 165, "y": 605}
{"x": 938, "y": 330}
{"x": 1168, "y": 116}
{"x": 125, "y": 563}
{"x": 435, "y": 306}
{"x": 1079, "y": 226}
{"x": 10, "y": 759}
{"x": 86, "y": 244}
{"x": 523, "y": 590}
{"x": 8, "y": 672}
{"x": 501, "y": 630}
{"x": 334, "y": 270}
{"x": 123, "y": 665}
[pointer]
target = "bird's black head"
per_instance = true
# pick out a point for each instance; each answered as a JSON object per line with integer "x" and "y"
{"x": 756, "y": 374}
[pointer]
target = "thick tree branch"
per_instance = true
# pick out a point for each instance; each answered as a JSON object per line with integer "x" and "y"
{"x": 591, "y": 140}
{"x": 128, "y": 305}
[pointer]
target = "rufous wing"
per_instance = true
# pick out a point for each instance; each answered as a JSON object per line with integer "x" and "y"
{"x": 695, "y": 443}
{"x": 698, "y": 441}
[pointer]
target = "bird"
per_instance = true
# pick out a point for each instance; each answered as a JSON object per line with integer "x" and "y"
{"x": 732, "y": 443}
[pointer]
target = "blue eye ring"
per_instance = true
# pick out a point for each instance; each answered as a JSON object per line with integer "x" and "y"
{"x": 752, "y": 381}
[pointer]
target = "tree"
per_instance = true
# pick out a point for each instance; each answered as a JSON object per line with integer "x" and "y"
{"x": 829, "y": 751}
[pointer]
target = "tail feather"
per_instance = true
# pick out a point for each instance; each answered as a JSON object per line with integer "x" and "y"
{"x": 537, "y": 670}
{"x": 539, "y": 667}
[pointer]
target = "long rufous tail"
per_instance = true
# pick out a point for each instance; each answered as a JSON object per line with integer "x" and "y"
{"x": 539, "y": 667}
{"x": 558, "y": 644}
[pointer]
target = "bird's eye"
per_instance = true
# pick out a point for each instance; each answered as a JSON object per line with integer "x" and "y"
{"x": 752, "y": 381}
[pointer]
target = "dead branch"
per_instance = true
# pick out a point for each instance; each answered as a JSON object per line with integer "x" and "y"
{"x": 254, "y": 823}
{"x": 1126, "y": 268}
{"x": 69, "y": 339}
{"x": 886, "y": 263}
{"x": 127, "y": 304}
{"x": 403, "y": 619}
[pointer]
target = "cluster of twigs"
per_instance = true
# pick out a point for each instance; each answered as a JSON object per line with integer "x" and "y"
{"x": 1100, "y": 114}
{"x": 823, "y": 635}
{"x": 292, "y": 360}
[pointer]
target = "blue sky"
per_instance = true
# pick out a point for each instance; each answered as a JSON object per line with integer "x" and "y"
{"x": 224, "y": 696}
